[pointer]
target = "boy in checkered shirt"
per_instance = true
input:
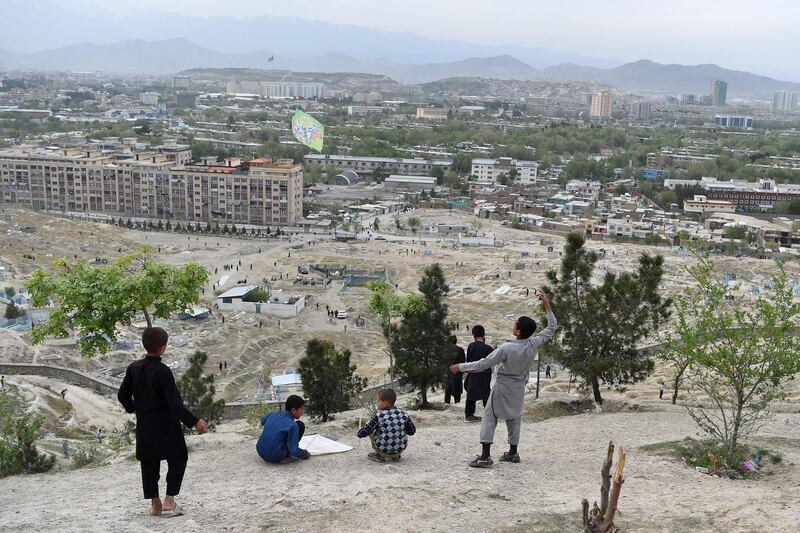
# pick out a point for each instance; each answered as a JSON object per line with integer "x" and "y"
{"x": 388, "y": 430}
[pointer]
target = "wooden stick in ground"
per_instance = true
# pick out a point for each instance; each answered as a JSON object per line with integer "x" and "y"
{"x": 587, "y": 525}
{"x": 608, "y": 515}
{"x": 605, "y": 478}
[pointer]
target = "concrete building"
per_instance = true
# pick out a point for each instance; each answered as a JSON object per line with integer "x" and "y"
{"x": 719, "y": 92}
{"x": 734, "y": 121}
{"x": 149, "y": 98}
{"x": 433, "y": 113}
{"x": 182, "y": 82}
{"x": 491, "y": 169}
{"x": 783, "y": 102}
{"x": 186, "y": 99}
{"x": 589, "y": 189}
{"x": 702, "y": 204}
{"x": 277, "y": 89}
{"x": 155, "y": 183}
{"x": 640, "y": 111}
{"x": 278, "y": 303}
{"x": 364, "y": 110}
{"x": 388, "y": 165}
{"x": 410, "y": 182}
{"x": 601, "y": 105}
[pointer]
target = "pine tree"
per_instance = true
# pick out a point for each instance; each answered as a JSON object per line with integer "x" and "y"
{"x": 12, "y": 311}
{"x": 329, "y": 380}
{"x": 600, "y": 326}
{"x": 419, "y": 342}
{"x": 198, "y": 391}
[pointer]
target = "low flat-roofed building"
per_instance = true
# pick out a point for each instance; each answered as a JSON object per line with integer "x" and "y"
{"x": 701, "y": 204}
{"x": 410, "y": 182}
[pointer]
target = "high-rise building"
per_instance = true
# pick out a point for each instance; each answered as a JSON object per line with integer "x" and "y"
{"x": 601, "y": 104}
{"x": 719, "y": 92}
{"x": 640, "y": 111}
{"x": 783, "y": 102}
{"x": 149, "y": 98}
{"x": 182, "y": 82}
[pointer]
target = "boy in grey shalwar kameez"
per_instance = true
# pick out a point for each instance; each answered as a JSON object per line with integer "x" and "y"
{"x": 513, "y": 360}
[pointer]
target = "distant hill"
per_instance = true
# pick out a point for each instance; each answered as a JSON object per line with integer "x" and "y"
{"x": 650, "y": 76}
{"x": 164, "y": 57}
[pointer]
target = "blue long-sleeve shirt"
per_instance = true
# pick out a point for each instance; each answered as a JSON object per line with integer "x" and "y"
{"x": 280, "y": 438}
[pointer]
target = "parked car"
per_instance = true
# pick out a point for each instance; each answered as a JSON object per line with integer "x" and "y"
{"x": 341, "y": 313}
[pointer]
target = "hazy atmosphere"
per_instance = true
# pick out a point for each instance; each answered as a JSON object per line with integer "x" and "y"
{"x": 759, "y": 36}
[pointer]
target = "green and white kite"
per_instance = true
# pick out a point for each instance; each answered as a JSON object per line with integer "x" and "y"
{"x": 308, "y": 130}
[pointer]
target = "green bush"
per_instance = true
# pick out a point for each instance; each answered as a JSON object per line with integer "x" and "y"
{"x": 18, "y": 435}
{"x": 86, "y": 456}
{"x": 254, "y": 413}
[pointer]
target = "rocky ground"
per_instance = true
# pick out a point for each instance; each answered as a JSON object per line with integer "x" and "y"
{"x": 229, "y": 488}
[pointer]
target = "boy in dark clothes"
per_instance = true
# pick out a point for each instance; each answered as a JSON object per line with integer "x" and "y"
{"x": 478, "y": 384}
{"x": 280, "y": 439}
{"x": 149, "y": 391}
{"x": 388, "y": 430}
{"x": 453, "y": 386}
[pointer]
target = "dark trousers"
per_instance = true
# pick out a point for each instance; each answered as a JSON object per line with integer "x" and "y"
{"x": 469, "y": 407}
{"x": 151, "y": 474}
{"x": 450, "y": 389}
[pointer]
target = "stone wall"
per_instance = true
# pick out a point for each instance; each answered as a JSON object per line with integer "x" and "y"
{"x": 101, "y": 386}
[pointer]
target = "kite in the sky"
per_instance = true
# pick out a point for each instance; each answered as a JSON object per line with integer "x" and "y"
{"x": 308, "y": 130}
{"x": 271, "y": 59}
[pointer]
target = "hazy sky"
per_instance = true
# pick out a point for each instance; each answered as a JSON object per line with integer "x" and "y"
{"x": 756, "y": 35}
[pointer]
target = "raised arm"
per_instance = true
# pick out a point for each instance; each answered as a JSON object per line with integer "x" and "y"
{"x": 552, "y": 324}
{"x": 125, "y": 394}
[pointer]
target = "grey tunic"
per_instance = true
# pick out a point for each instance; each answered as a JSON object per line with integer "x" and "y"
{"x": 513, "y": 360}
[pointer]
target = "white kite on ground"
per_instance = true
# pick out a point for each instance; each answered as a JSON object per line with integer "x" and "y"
{"x": 319, "y": 445}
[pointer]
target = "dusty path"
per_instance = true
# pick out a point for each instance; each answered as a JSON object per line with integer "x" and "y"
{"x": 228, "y": 488}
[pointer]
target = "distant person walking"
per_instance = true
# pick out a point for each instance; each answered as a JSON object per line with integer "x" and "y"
{"x": 661, "y": 391}
{"x": 149, "y": 390}
{"x": 65, "y": 448}
{"x": 2, "y": 383}
{"x": 547, "y": 372}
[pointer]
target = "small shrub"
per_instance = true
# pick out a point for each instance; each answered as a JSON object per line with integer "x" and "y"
{"x": 254, "y": 413}
{"x": 86, "y": 455}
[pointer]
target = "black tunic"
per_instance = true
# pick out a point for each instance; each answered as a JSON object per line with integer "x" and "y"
{"x": 478, "y": 384}
{"x": 149, "y": 390}
{"x": 454, "y": 380}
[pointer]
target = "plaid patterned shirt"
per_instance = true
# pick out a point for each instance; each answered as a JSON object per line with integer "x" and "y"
{"x": 392, "y": 427}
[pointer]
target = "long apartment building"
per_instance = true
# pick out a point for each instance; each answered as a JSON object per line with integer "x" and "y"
{"x": 389, "y": 165}
{"x": 277, "y": 89}
{"x": 152, "y": 184}
{"x": 491, "y": 169}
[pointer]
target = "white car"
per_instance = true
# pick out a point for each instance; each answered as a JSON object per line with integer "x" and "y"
{"x": 341, "y": 313}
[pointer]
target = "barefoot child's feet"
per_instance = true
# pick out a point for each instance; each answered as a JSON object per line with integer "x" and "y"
{"x": 156, "y": 507}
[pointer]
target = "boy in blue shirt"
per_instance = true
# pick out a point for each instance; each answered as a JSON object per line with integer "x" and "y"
{"x": 279, "y": 442}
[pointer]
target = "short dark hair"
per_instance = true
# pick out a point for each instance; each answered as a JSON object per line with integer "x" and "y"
{"x": 154, "y": 338}
{"x": 294, "y": 402}
{"x": 478, "y": 331}
{"x": 526, "y": 326}
{"x": 452, "y": 339}
{"x": 387, "y": 395}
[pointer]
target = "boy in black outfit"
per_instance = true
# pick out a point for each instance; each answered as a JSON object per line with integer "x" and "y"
{"x": 149, "y": 391}
{"x": 477, "y": 384}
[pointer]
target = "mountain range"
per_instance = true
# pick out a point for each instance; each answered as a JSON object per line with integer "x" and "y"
{"x": 169, "y": 56}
